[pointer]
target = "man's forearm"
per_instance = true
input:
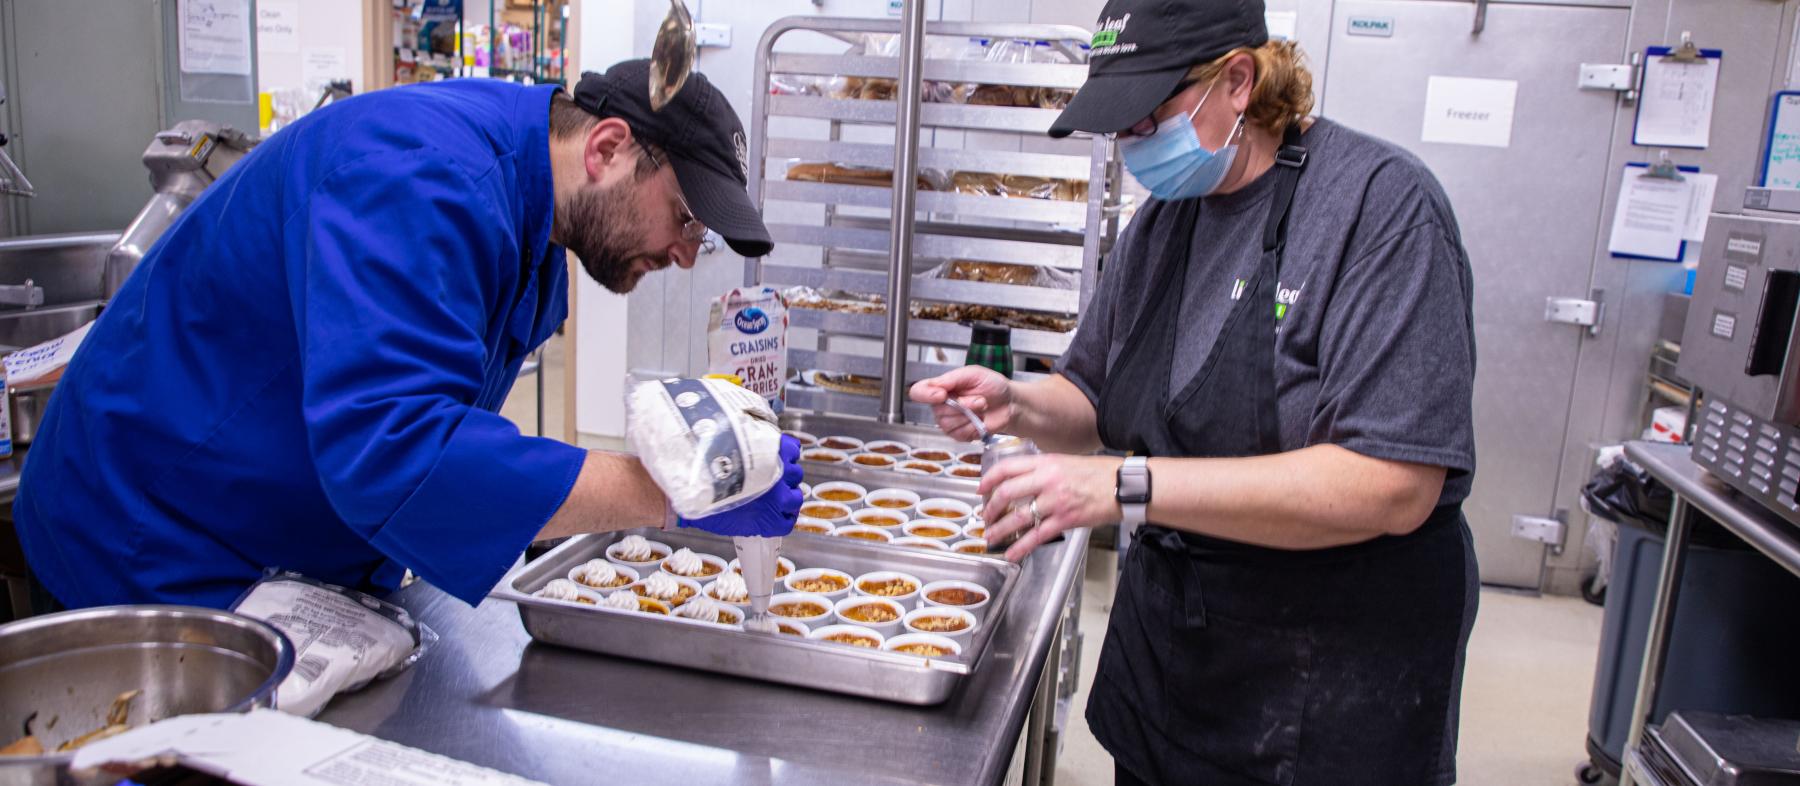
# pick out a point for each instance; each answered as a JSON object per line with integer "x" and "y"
{"x": 1056, "y": 415}
{"x": 1315, "y": 497}
{"x": 612, "y": 492}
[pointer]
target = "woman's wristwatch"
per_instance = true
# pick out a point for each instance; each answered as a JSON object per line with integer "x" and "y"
{"x": 1133, "y": 489}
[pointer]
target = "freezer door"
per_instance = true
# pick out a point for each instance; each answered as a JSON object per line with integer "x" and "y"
{"x": 1529, "y": 213}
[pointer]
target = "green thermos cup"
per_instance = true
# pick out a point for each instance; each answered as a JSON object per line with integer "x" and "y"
{"x": 990, "y": 345}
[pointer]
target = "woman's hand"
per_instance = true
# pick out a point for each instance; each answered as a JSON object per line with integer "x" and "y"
{"x": 1070, "y": 491}
{"x": 983, "y": 390}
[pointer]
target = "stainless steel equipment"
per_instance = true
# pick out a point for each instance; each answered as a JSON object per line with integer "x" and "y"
{"x": 789, "y": 660}
{"x": 65, "y": 669}
{"x": 856, "y": 251}
{"x": 183, "y": 161}
{"x": 1709, "y": 749}
{"x": 1738, "y": 349}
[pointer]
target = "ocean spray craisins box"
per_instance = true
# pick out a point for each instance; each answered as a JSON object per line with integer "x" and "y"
{"x": 746, "y": 336}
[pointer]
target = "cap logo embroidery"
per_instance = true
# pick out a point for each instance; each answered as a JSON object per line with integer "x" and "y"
{"x": 1106, "y": 39}
{"x": 743, "y": 152}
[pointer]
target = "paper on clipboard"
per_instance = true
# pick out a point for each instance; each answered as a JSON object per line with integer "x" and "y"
{"x": 1700, "y": 205}
{"x": 1676, "y": 107}
{"x": 1651, "y": 217}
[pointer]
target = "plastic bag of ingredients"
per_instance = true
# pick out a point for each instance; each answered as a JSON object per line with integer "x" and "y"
{"x": 1003, "y": 273}
{"x": 746, "y": 337}
{"x": 709, "y": 444}
{"x": 343, "y": 639}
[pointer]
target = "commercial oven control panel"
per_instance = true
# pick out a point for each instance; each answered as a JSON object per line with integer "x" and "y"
{"x": 1758, "y": 458}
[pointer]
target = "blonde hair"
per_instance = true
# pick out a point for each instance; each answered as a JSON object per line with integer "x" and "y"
{"x": 1282, "y": 92}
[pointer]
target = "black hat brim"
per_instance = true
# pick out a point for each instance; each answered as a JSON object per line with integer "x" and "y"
{"x": 1110, "y": 103}
{"x": 721, "y": 203}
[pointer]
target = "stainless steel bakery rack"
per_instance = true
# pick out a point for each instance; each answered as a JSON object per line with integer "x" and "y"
{"x": 858, "y": 250}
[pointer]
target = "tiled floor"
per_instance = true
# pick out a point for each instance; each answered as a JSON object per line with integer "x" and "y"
{"x": 1525, "y": 698}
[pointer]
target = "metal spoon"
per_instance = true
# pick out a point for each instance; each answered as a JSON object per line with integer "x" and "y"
{"x": 672, "y": 56}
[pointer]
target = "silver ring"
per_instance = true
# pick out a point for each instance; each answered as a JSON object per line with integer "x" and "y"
{"x": 1036, "y": 519}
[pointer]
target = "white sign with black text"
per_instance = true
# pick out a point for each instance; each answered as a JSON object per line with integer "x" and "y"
{"x": 1467, "y": 111}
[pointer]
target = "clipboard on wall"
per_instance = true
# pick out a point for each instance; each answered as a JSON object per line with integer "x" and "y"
{"x": 1675, "y": 107}
{"x": 1624, "y": 242}
{"x": 1781, "y": 146}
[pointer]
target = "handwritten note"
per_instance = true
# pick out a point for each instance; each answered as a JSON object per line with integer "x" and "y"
{"x": 1782, "y": 167}
{"x": 1677, "y": 105}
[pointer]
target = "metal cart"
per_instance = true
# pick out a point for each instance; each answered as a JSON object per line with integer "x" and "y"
{"x": 859, "y": 250}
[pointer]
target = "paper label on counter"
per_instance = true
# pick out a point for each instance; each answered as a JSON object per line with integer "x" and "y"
{"x": 272, "y": 748}
{"x": 1464, "y": 111}
{"x": 31, "y": 363}
{"x": 385, "y": 763}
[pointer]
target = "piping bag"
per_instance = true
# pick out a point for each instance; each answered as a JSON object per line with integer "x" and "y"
{"x": 758, "y": 558}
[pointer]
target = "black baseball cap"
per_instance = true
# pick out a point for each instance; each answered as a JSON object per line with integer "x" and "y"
{"x": 1143, "y": 48}
{"x": 704, "y": 140}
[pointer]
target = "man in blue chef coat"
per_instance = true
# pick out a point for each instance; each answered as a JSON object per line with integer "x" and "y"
{"x": 305, "y": 371}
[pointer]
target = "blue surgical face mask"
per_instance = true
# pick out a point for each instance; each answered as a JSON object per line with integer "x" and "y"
{"x": 1173, "y": 164}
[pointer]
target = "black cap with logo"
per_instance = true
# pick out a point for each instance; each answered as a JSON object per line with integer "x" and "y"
{"x": 704, "y": 140}
{"x": 1143, "y": 48}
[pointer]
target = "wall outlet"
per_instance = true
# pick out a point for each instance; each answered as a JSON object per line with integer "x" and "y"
{"x": 712, "y": 35}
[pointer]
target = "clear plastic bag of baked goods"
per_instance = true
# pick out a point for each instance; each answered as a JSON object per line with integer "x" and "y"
{"x": 972, "y": 50}
{"x": 710, "y": 444}
{"x": 854, "y": 175}
{"x": 1049, "y": 97}
{"x": 1005, "y": 50}
{"x": 343, "y": 639}
{"x": 1003, "y": 273}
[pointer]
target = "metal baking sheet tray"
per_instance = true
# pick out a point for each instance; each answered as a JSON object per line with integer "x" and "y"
{"x": 889, "y": 676}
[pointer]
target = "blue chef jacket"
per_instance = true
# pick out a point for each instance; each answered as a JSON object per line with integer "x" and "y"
{"x": 305, "y": 370}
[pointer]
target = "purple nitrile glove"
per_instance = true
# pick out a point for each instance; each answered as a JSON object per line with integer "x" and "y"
{"x": 771, "y": 515}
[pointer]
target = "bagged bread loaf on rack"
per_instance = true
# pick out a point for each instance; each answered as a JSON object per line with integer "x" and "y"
{"x": 709, "y": 444}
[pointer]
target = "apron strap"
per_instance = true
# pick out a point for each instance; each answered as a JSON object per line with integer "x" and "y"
{"x": 1289, "y": 160}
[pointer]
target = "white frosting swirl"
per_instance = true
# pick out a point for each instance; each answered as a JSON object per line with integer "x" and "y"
{"x": 634, "y": 548}
{"x": 598, "y": 573}
{"x": 702, "y": 609}
{"x": 731, "y": 588}
{"x": 661, "y": 586}
{"x": 623, "y": 601}
{"x": 559, "y": 589}
{"x": 684, "y": 563}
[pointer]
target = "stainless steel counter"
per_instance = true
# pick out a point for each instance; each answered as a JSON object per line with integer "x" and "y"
{"x": 488, "y": 695}
{"x": 1770, "y": 534}
{"x": 1695, "y": 491}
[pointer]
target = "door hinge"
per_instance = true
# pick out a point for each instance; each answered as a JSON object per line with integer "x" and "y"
{"x": 1621, "y": 78}
{"x": 1548, "y": 531}
{"x": 1587, "y": 312}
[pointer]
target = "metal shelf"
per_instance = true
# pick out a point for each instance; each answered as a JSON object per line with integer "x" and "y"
{"x": 924, "y": 331}
{"x": 1050, "y": 211}
{"x": 945, "y": 158}
{"x": 967, "y": 117}
{"x": 883, "y": 254}
{"x": 933, "y": 246}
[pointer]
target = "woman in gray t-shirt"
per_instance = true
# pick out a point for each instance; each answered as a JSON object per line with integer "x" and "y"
{"x": 1282, "y": 341}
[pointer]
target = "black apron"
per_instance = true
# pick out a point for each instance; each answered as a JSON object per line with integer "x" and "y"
{"x": 1227, "y": 663}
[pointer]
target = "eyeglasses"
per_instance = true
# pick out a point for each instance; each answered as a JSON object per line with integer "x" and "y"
{"x": 1148, "y": 125}
{"x": 692, "y": 230}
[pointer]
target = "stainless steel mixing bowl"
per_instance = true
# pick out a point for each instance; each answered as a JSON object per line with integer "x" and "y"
{"x": 68, "y": 667}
